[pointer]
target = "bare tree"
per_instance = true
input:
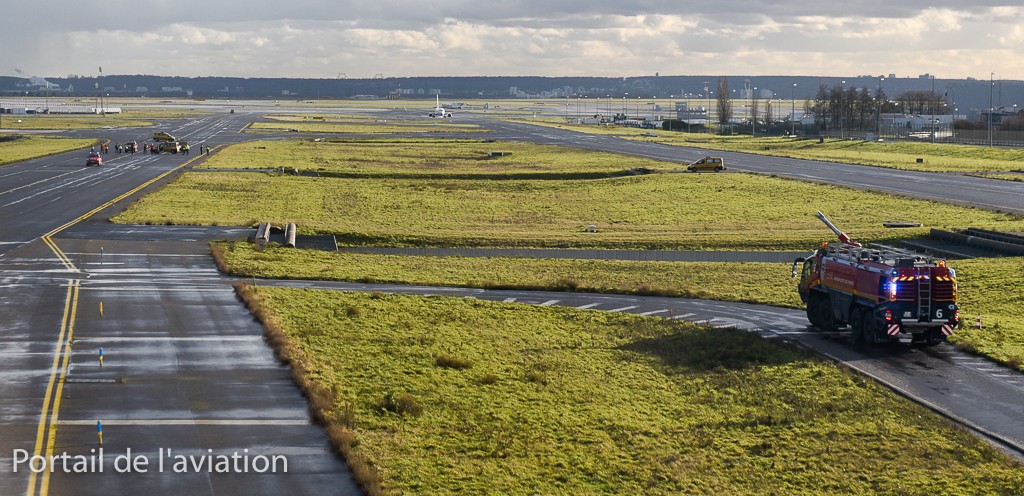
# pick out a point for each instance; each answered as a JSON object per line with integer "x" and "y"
{"x": 723, "y": 101}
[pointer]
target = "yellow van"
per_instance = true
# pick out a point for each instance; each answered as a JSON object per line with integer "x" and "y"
{"x": 163, "y": 137}
{"x": 707, "y": 164}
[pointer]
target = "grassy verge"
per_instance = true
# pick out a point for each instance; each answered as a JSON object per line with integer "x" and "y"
{"x": 1005, "y": 176}
{"x": 674, "y": 211}
{"x": 937, "y": 157}
{"x": 425, "y": 158}
{"x": 766, "y": 283}
{"x": 15, "y": 148}
{"x": 445, "y": 395}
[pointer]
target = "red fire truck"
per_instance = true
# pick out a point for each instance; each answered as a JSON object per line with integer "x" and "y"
{"x": 880, "y": 292}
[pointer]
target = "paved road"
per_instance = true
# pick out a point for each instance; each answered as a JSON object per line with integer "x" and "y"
{"x": 990, "y": 194}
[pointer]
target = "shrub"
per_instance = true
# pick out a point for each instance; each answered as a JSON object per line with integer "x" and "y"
{"x": 487, "y": 379}
{"x": 452, "y": 362}
{"x": 537, "y": 377}
{"x": 402, "y": 404}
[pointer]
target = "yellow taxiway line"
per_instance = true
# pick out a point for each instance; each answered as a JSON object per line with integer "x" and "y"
{"x": 46, "y": 432}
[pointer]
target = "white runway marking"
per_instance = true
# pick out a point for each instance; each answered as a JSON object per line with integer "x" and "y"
{"x": 623, "y": 309}
{"x": 588, "y": 305}
{"x": 652, "y": 312}
{"x": 549, "y": 303}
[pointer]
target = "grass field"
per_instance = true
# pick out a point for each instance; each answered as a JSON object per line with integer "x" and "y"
{"x": 15, "y": 148}
{"x": 992, "y": 288}
{"x": 765, "y": 283}
{"x": 429, "y": 158}
{"x": 684, "y": 211}
{"x": 452, "y": 396}
{"x": 898, "y": 155}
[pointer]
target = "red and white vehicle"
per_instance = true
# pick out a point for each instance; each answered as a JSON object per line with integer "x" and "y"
{"x": 880, "y": 292}
{"x": 94, "y": 158}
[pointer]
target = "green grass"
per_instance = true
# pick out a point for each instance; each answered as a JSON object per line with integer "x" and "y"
{"x": 571, "y": 401}
{"x": 1005, "y": 176}
{"x": 428, "y": 158}
{"x": 684, "y": 211}
{"x": 992, "y": 287}
{"x": 937, "y": 157}
{"x": 15, "y": 148}
{"x": 767, "y": 283}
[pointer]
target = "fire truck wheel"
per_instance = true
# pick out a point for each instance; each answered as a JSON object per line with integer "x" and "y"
{"x": 812, "y": 317}
{"x": 935, "y": 337}
{"x": 823, "y": 315}
{"x": 861, "y": 325}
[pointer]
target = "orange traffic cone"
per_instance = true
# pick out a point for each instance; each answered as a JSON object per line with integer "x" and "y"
{"x": 977, "y": 322}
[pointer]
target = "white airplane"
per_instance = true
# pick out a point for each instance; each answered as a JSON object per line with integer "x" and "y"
{"x": 439, "y": 111}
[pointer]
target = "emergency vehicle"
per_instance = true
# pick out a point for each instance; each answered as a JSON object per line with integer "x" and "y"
{"x": 880, "y": 292}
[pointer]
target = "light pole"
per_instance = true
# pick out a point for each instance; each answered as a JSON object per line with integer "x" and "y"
{"x": 103, "y": 109}
{"x": 577, "y": 109}
{"x": 624, "y": 95}
{"x": 991, "y": 83}
{"x": 637, "y": 108}
{"x": 878, "y": 96}
{"x": 931, "y": 122}
{"x": 753, "y": 113}
{"x": 707, "y": 110}
{"x": 842, "y": 129}
{"x": 792, "y": 118}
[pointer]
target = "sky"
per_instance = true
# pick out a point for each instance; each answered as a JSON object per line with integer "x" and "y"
{"x": 610, "y": 38}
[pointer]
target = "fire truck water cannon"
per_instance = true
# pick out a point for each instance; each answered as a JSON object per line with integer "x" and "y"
{"x": 880, "y": 292}
{"x": 842, "y": 236}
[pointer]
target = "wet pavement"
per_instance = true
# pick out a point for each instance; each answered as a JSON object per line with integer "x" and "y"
{"x": 185, "y": 371}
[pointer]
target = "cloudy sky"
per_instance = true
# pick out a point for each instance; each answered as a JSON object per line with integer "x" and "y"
{"x": 313, "y": 38}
